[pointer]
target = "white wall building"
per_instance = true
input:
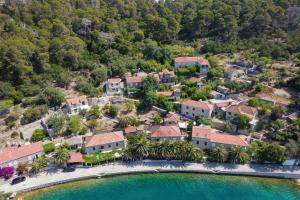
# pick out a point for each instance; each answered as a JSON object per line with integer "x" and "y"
{"x": 76, "y": 103}
{"x": 12, "y": 156}
{"x": 193, "y": 109}
{"x": 103, "y": 142}
{"x": 208, "y": 138}
{"x": 197, "y": 61}
{"x": 114, "y": 86}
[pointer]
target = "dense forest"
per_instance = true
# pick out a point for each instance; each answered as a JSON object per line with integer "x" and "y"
{"x": 42, "y": 41}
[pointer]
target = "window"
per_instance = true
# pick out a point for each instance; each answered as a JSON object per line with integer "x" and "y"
{"x": 117, "y": 144}
{"x": 187, "y": 113}
{"x": 193, "y": 115}
{"x": 202, "y": 110}
{"x": 193, "y": 108}
{"x": 187, "y": 107}
{"x": 102, "y": 147}
{"x": 197, "y": 142}
{"x": 205, "y": 143}
{"x": 94, "y": 148}
{"x": 109, "y": 145}
{"x": 229, "y": 113}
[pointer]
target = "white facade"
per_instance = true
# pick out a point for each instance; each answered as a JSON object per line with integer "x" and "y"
{"x": 193, "y": 112}
{"x": 202, "y": 68}
{"x": 104, "y": 147}
{"x": 29, "y": 159}
{"x": 75, "y": 108}
{"x": 114, "y": 88}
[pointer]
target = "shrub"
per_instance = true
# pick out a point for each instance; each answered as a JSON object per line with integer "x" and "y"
{"x": 38, "y": 135}
{"x": 48, "y": 148}
{"x": 7, "y": 172}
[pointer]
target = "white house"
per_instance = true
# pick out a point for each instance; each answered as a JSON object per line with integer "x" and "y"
{"x": 167, "y": 77}
{"x": 242, "y": 109}
{"x": 171, "y": 119}
{"x": 208, "y": 138}
{"x": 193, "y": 109}
{"x": 197, "y": 61}
{"x": 170, "y": 133}
{"x": 172, "y": 95}
{"x": 12, "y": 156}
{"x": 103, "y": 142}
{"x": 133, "y": 81}
{"x": 114, "y": 86}
{"x": 76, "y": 103}
{"x": 217, "y": 95}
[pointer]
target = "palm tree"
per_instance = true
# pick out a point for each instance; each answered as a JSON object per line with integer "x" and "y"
{"x": 138, "y": 146}
{"x": 38, "y": 164}
{"x": 61, "y": 156}
{"x": 239, "y": 155}
{"x": 219, "y": 154}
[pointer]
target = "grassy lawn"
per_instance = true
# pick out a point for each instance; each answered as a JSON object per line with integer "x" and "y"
{"x": 97, "y": 158}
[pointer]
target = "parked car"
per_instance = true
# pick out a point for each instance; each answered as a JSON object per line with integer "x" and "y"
{"x": 69, "y": 169}
{"x": 17, "y": 180}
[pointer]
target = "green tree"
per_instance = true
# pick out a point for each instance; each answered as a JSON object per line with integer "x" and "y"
{"x": 38, "y": 164}
{"x": 219, "y": 154}
{"x": 113, "y": 111}
{"x": 61, "y": 156}
{"x": 38, "y": 135}
{"x": 74, "y": 124}
{"x": 49, "y": 147}
{"x": 94, "y": 112}
{"x": 57, "y": 123}
{"x": 98, "y": 75}
{"x": 242, "y": 121}
{"x": 239, "y": 155}
{"x": 157, "y": 119}
{"x": 52, "y": 97}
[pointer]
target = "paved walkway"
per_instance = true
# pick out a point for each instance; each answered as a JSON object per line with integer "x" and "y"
{"x": 56, "y": 176}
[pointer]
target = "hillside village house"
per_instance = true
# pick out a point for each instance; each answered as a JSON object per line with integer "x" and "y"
{"x": 217, "y": 95}
{"x": 167, "y": 77}
{"x": 208, "y": 138}
{"x": 169, "y": 133}
{"x": 134, "y": 81}
{"x": 103, "y": 142}
{"x": 172, "y": 95}
{"x": 114, "y": 86}
{"x": 197, "y": 61}
{"x": 27, "y": 130}
{"x": 75, "y": 104}
{"x": 193, "y": 109}
{"x": 245, "y": 110}
{"x": 12, "y": 156}
{"x": 171, "y": 119}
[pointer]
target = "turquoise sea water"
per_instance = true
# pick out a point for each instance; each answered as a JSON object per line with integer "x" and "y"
{"x": 174, "y": 187}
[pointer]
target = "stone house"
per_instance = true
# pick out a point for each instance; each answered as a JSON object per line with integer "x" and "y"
{"x": 193, "y": 109}
{"x": 169, "y": 133}
{"x": 114, "y": 86}
{"x": 75, "y": 104}
{"x": 197, "y": 61}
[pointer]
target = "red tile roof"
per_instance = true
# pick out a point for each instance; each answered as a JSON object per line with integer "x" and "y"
{"x": 199, "y": 104}
{"x": 165, "y": 71}
{"x": 76, "y": 158}
{"x": 172, "y": 117}
{"x": 219, "y": 138}
{"x": 14, "y": 153}
{"x": 165, "y": 93}
{"x": 104, "y": 138}
{"x": 198, "y": 59}
{"x": 76, "y": 100}
{"x": 133, "y": 79}
{"x": 223, "y": 104}
{"x": 165, "y": 131}
{"x": 243, "y": 109}
{"x": 114, "y": 80}
{"x": 130, "y": 129}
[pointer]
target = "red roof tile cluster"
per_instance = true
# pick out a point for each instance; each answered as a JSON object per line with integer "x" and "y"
{"x": 166, "y": 72}
{"x": 130, "y": 129}
{"x": 14, "y": 153}
{"x": 114, "y": 80}
{"x": 76, "y": 100}
{"x": 133, "y": 79}
{"x": 243, "y": 109}
{"x": 172, "y": 117}
{"x": 104, "y": 138}
{"x": 198, "y": 59}
{"x": 219, "y": 138}
{"x": 165, "y": 93}
{"x": 165, "y": 131}
{"x": 223, "y": 104}
{"x": 199, "y": 104}
{"x": 76, "y": 158}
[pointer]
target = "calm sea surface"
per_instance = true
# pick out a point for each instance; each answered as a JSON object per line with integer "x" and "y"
{"x": 172, "y": 187}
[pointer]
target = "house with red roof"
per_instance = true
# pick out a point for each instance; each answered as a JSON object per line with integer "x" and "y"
{"x": 233, "y": 110}
{"x": 197, "y": 61}
{"x": 170, "y": 133}
{"x": 167, "y": 77}
{"x": 103, "y": 142}
{"x": 76, "y": 159}
{"x": 12, "y": 156}
{"x": 173, "y": 95}
{"x": 193, "y": 109}
{"x": 134, "y": 81}
{"x": 208, "y": 138}
{"x": 114, "y": 86}
{"x": 171, "y": 119}
{"x": 76, "y": 103}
